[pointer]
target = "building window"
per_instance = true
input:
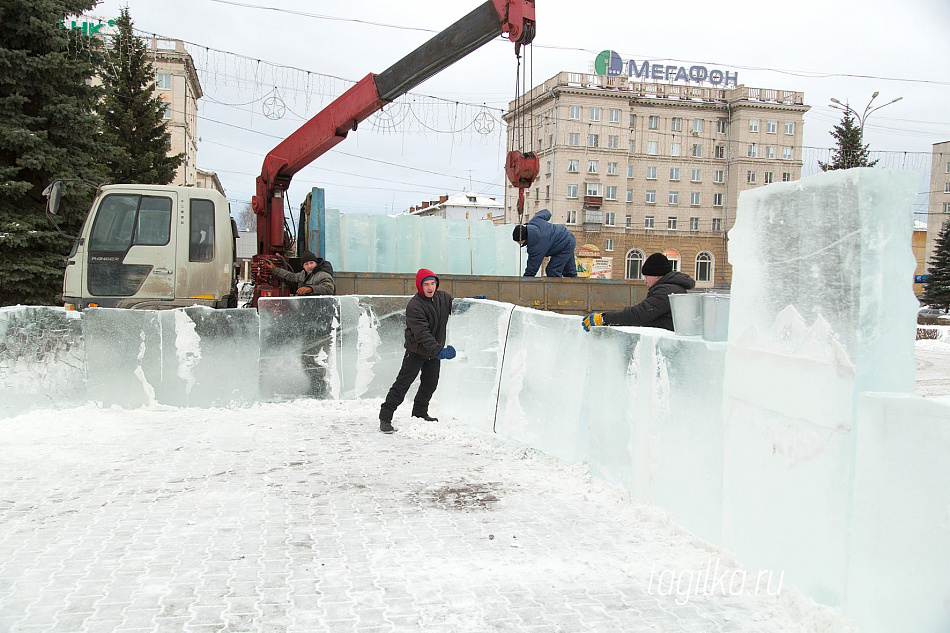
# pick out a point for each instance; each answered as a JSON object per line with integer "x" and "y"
{"x": 674, "y": 197}
{"x": 786, "y": 176}
{"x": 789, "y": 128}
{"x": 574, "y": 112}
{"x": 948, "y": 168}
{"x": 593, "y": 189}
{"x": 593, "y": 140}
{"x": 550, "y": 140}
{"x": 704, "y": 263}
{"x": 548, "y": 168}
{"x": 633, "y": 121}
{"x": 537, "y": 193}
{"x": 547, "y": 192}
{"x": 946, "y": 188}
{"x": 654, "y": 123}
{"x": 651, "y": 173}
{"x": 946, "y": 207}
{"x": 753, "y": 150}
{"x": 572, "y": 165}
{"x": 574, "y": 138}
{"x": 771, "y": 127}
{"x": 614, "y": 115}
{"x": 166, "y": 111}
{"x": 694, "y": 198}
{"x": 629, "y": 197}
{"x": 163, "y": 81}
{"x": 572, "y": 191}
{"x": 613, "y": 141}
{"x": 694, "y": 224}
{"x": 753, "y": 125}
{"x": 612, "y": 169}
{"x": 719, "y": 176}
{"x": 697, "y": 150}
{"x": 769, "y": 178}
{"x": 608, "y": 244}
{"x": 787, "y": 153}
{"x": 697, "y": 125}
{"x": 629, "y": 171}
{"x": 717, "y": 224}
{"x": 592, "y": 167}
{"x": 675, "y": 149}
{"x": 648, "y": 222}
{"x": 629, "y": 219}
{"x": 651, "y": 196}
{"x": 572, "y": 213}
{"x": 630, "y": 148}
{"x": 697, "y": 175}
{"x": 671, "y": 223}
{"x": 717, "y": 199}
{"x": 610, "y": 218}
{"x": 595, "y": 114}
{"x": 769, "y": 151}
{"x": 611, "y": 194}
{"x": 674, "y": 173}
{"x": 634, "y": 264}
{"x": 676, "y": 124}
{"x": 652, "y": 148}
{"x": 721, "y": 126}
{"x": 720, "y": 151}
{"x": 750, "y": 177}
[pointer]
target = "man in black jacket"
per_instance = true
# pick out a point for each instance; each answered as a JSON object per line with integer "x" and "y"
{"x": 654, "y": 311}
{"x": 427, "y": 316}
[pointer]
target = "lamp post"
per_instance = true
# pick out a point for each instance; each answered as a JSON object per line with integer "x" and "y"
{"x": 862, "y": 118}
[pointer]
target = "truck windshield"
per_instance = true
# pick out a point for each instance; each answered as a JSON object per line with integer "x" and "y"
{"x": 127, "y": 219}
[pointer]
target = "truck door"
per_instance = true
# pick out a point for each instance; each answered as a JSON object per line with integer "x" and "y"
{"x": 199, "y": 279}
{"x": 131, "y": 248}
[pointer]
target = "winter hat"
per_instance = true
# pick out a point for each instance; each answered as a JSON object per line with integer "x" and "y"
{"x": 520, "y": 233}
{"x": 307, "y": 257}
{"x": 656, "y": 265}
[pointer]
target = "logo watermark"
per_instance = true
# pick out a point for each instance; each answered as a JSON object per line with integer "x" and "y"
{"x": 712, "y": 580}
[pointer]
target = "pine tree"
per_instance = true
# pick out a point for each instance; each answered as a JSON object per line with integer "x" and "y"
{"x": 48, "y": 129}
{"x": 937, "y": 289}
{"x": 850, "y": 151}
{"x": 132, "y": 114}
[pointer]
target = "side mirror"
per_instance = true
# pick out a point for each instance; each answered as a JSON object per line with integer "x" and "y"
{"x": 53, "y": 194}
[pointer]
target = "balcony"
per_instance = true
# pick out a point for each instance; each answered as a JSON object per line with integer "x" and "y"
{"x": 594, "y": 202}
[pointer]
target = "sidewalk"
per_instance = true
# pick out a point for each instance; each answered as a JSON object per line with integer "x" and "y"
{"x": 303, "y": 517}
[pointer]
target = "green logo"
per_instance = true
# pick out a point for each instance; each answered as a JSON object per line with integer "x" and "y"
{"x": 608, "y": 63}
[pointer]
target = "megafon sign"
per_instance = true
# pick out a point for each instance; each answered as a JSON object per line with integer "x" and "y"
{"x": 609, "y": 63}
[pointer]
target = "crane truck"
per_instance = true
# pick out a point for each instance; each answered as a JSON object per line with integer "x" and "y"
{"x": 155, "y": 247}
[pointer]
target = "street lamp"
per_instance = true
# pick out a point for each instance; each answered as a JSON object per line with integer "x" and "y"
{"x": 862, "y": 118}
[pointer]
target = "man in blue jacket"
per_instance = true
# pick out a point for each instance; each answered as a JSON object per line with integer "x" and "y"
{"x": 544, "y": 239}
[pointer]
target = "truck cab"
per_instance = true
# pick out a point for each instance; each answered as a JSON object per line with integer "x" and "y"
{"x": 153, "y": 247}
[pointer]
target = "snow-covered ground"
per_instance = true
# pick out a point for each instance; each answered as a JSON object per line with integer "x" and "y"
{"x": 301, "y": 516}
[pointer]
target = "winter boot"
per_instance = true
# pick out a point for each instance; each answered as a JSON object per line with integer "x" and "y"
{"x": 386, "y": 426}
{"x": 426, "y": 417}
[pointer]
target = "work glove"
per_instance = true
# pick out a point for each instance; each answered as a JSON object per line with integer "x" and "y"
{"x": 593, "y": 319}
{"x": 447, "y": 352}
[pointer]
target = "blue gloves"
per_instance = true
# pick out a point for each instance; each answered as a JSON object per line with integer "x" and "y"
{"x": 594, "y": 319}
{"x": 447, "y": 352}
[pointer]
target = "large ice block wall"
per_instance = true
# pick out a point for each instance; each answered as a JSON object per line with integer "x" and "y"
{"x": 780, "y": 444}
{"x": 360, "y": 242}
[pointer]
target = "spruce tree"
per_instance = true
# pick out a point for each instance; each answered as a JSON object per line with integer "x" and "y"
{"x": 937, "y": 288}
{"x": 132, "y": 113}
{"x": 48, "y": 129}
{"x": 850, "y": 150}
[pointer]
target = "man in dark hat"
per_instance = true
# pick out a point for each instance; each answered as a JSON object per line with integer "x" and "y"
{"x": 427, "y": 317}
{"x": 654, "y": 311}
{"x": 316, "y": 278}
{"x": 544, "y": 239}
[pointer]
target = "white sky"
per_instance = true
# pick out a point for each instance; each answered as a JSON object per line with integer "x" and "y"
{"x": 805, "y": 46}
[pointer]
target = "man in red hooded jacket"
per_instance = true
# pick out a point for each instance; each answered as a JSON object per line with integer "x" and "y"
{"x": 427, "y": 316}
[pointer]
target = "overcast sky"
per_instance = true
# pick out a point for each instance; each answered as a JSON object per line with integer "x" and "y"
{"x": 826, "y": 48}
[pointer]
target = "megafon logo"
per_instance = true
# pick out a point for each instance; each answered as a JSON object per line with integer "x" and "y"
{"x": 608, "y": 63}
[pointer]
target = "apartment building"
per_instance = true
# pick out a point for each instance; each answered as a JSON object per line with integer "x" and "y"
{"x": 938, "y": 211}
{"x": 635, "y": 167}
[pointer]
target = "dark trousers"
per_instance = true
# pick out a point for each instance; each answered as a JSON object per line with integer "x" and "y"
{"x": 562, "y": 264}
{"x": 412, "y": 364}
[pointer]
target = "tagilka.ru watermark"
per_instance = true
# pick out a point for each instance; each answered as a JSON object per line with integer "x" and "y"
{"x": 711, "y": 580}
